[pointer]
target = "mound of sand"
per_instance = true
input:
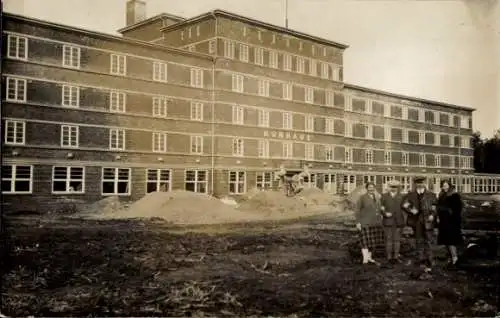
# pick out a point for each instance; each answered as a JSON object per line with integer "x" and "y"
{"x": 275, "y": 205}
{"x": 181, "y": 207}
{"x": 105, "y": 206}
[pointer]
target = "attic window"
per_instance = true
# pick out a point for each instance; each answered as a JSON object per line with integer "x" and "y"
{"x": 259, "y": 35}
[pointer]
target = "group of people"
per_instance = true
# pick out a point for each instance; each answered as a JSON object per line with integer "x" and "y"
{"x": 382, "y": 218}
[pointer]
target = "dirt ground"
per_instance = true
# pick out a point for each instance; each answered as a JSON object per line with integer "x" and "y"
{"x": 71, "y": 267}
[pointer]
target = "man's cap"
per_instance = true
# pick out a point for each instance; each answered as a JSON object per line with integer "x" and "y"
{"x": 419, "y": 179}
{"x": 394, "y": 183}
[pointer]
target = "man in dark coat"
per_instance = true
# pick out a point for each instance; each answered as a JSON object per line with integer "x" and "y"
{"x": 420, "y": 205}
{"x": 393, "y": 220}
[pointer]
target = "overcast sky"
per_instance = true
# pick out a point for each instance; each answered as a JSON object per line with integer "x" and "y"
{"x": 442, "y": 50}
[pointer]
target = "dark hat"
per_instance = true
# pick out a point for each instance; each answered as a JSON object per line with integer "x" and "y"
{"x": 419, "y": 179}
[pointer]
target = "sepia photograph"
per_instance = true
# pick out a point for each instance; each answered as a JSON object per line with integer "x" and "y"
{"x": 265, "y": 158}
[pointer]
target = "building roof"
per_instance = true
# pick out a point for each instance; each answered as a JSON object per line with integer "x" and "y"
{"x": 257, "y": 23}
{"x": 410, "y": 98}
{"x": 105, "y": 36}
{"x": 149, "y": 20}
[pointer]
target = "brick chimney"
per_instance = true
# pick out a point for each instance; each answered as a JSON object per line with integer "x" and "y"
{"x": 136, "y": 11}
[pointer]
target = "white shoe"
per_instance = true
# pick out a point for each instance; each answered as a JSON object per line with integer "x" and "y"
{"x": 366, "y": 255}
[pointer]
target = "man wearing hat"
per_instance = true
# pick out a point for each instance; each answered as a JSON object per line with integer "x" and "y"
{"x": 420, "y": 205}
{"x": 393, "y": 220}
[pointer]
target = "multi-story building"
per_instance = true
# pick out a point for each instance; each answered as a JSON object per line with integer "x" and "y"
{"x": 213, "y": 104}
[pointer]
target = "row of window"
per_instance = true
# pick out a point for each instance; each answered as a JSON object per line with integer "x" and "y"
{"x": 18, "y": 179}
{"x": 17, "y": 48}
{"x": 16, "y": 91}
{"x": 285, "y": 61}
{"x": 15, "y": 135}
{"x": 351, "y": 103}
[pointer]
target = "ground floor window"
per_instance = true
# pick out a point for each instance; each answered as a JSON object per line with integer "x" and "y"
{"x": 237, "y": 182}
{"x": 405, "y": 184}
{"x": 367, "y": 179}
{"x": 17, "y": 179}
{"x": 264, "y": 180}
{"x": 349, "y": 183}
{"x": 116, "y": 181}
{"x": 196, "y": 181}
{"x": 68, "y": 180}
{"x": 330, "y": 183}
{"x": 310, "y": 181}
{"x": 158, "y": 180}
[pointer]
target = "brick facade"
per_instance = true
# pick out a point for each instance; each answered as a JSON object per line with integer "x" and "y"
{"x": 197, "y": 106}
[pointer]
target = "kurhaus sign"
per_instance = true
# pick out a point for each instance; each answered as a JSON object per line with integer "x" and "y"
{"x": 287, "y": 135}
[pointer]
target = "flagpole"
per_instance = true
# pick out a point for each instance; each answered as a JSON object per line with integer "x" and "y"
{"x": 286, "y": 14}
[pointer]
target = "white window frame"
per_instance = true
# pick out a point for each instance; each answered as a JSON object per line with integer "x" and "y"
{"x": 437, "y": 160}
{"x": 264, "y": 180}
{"x": 237, "y": 83}
{"x": 288, "y": 91}
{"x": 238, "y": 115}
{"x": 18, "y": 87}
{"x": 244, "y": 53}
{"x": 465, "y": 142}
{"x": 116, "y": 181}
{"x": 211, "y": 46}
{"x": 18, "y": 53}
{"x": 421, "y": 160}
{"x": 388, "y": 133}
{"x": 309, "y": 151}
{"x": 287, "y": 120}
{"x": 309, "y": 123}
{"x": 263, "y": 89}
{"x": 159, "y": 142}
{"x": 70, "y": 96}
{"x": 160, "y": 71}
{"x": 273, "y": 59}
{"x": 329, "y": 98}
{"x": 197, "y": 30}
{"x": 263, "y": 118}
{"x": 309, "y": 95}
{"x": 160, "y": 106}
{"x": 287, "y": 62}
{"x": 117, "y": 139}
{"x": 348, "y": 155}
{"x": 325, "y": 70}
{"x": 287, "y": 149}
{"x": 196, "y": 182}
{"x": 68, "y": 179}
{"x": 14, "y": 178}
{"x": 300, "y": 64}
{"x": 421, "y": 137}
{"x": 368, "y": 131}
{"x": 238, "y": 183}
{"x": 259, "y": 56}
{"x": 196, "y": 77}
{"x": 348, "y": 129}
{"x": 228, "y": 49}
{"x": 196, "y": 145}
{"x": 329, "y": 153}
{"x": 117, "y": 102}
{"x": 70, "y": 136}
{"x": 71, "y": 56}
{"x": 313, "y": 67}
{"x": 238, "y": 147}
{"x": 405, "y": 158}
{"x": 197, "y": 111}
{"x": 159, "y": 181}
{"x": 263, "y": 148}
{"x": 369, "y": 156}
{"x": 330, "y": 126}
{"x": 388, "y": 157}
{"x": 13, "y": 138}
{"x": 118, "y": 64}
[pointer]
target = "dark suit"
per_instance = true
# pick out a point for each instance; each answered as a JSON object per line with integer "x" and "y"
{"x": 393, "y": 224}
{"x": 423, "y": 227}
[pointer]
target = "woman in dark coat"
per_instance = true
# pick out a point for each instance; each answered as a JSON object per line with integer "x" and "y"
{"x": 449, "y": 208}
